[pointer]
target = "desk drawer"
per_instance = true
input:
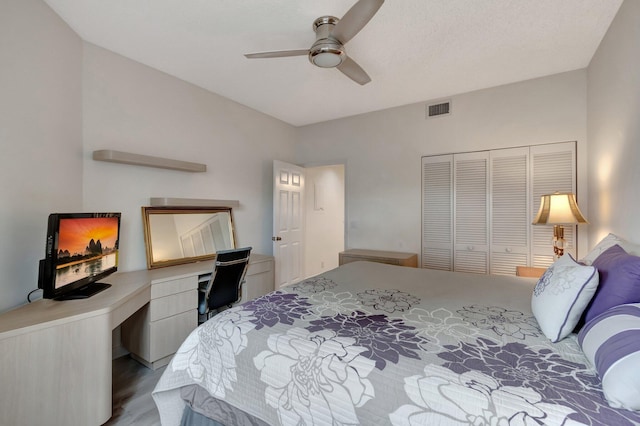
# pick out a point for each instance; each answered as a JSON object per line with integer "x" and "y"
{"x": 259, "y": 268}
{"x": 167, "y": 288}
{"x": 167, "y": 306}
{"x": 167, "y": 334}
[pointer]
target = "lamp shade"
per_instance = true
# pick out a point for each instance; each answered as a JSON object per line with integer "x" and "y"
{"x": 559, "y": 208}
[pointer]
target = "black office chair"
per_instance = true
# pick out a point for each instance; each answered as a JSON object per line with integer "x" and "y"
{"x": 225, "y": 284}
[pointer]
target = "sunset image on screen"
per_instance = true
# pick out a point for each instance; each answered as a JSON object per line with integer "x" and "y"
{"x": 86, "y": 248}
{"x": 76, "y": 235}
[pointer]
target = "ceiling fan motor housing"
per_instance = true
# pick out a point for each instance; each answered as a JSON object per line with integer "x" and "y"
{"x": 326, "y": 52}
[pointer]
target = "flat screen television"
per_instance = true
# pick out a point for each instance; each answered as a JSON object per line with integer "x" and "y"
{"x": 81, "y": 249}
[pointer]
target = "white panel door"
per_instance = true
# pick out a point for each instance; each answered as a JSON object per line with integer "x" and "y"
{"x": 437, "y": 212}
{"x": 288, "y": 226}
{"x": 553, "y": 168}
{"x": 471, "y": 212}
{"x": 509, "y": 207}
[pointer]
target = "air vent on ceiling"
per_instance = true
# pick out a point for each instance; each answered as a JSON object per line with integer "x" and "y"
{"x": 439, "y": 109}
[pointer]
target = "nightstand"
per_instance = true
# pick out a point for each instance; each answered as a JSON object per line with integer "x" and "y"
{"x": 529, "y": 271}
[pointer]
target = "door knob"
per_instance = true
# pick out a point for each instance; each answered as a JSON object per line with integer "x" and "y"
{"x": 276, "y": 239}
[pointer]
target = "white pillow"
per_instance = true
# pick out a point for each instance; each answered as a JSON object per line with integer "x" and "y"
{"x": 561, "y": 295}
{"x": 611, "y": 342}
{"x": 608, "y": 242}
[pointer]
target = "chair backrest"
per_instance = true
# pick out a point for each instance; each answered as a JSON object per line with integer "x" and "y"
{"x": 230, "y": 268}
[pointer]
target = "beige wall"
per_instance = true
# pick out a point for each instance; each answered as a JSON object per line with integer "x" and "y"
{"x": 383, "y": 149}
{"x": 40, "y": 137}
{"x": 130, "y": 107}
{"x": 614, "y": 129}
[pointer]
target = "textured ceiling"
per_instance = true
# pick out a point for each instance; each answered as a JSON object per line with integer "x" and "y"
{"x": 414, "y": 50}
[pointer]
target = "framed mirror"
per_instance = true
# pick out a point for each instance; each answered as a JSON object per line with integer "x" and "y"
{"x": 177, "y": 235}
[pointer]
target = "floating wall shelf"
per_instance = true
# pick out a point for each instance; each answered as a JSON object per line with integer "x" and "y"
{"x": 191, "y": 202}
{"x": 111, "y": 156}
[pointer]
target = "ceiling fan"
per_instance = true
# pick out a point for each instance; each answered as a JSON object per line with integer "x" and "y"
{"x": 331, "y": 35}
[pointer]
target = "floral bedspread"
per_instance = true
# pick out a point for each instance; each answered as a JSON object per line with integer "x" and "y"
{"x": 375, "y": 344}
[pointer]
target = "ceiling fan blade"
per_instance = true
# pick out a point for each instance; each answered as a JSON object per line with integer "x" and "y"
{"x": 352, "y": 70}
{"x": 277, "y": 54}
{"x": 355, "y": 19}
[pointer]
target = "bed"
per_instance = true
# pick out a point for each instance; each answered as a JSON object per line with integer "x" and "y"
{"x": 376, "y": 344}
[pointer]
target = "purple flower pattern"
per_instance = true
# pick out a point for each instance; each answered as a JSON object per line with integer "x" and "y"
{"x": 556, "y": 379}
{"x": 277, "y": 307}
{"x": 477, "y": 364}
{"x": 385, "y": 339}
{"x": 389, "y": 301}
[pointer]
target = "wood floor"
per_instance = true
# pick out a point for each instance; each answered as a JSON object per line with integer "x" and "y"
{"x": 132, "y": 386}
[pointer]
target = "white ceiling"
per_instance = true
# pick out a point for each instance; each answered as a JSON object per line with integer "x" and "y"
{"x": 413, "y": 50}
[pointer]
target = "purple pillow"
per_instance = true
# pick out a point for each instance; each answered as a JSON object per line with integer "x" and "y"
{"x": 619, "y": 281}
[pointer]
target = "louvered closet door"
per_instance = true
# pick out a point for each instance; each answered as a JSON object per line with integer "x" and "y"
{"x": 509, "y": 207}
{"x": 471, "y": 236}
{"x": 437, "y": 212}
{"x": 553, "y": 168}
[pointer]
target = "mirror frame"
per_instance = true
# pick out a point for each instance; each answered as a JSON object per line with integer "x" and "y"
{"x": 146, "y": 224}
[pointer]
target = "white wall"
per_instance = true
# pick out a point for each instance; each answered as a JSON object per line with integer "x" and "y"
{"x": 324, "y": 218}
{"x": 62, "y": 99}
{"x": 130, "y": 107}
{"x": 40, "y": 137}
{"x": 614, "y": 129}
{"x": 383, "y": 149}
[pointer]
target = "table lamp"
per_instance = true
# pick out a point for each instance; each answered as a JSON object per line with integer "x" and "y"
{"x": 557, "y": 209}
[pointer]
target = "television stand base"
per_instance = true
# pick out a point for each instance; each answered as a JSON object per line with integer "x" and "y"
{"x": 85, "y": 292}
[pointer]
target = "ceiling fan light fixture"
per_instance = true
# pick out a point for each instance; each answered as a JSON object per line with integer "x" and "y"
{"x": 327, "y": 55}
{"x": 326, "y": 60}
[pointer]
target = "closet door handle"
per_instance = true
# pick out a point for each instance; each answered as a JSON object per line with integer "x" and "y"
{"x": 276, "y": 239}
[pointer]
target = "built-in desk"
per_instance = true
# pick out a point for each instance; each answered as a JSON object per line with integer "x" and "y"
{"x": 153, "y": 334}
{"x": 55, "y": 357}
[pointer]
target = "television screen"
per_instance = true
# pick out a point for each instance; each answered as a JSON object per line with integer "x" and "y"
{"x": 81, "y": 249}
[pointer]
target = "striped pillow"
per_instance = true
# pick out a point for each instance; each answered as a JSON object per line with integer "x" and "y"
{"x": 611, "y": 342}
